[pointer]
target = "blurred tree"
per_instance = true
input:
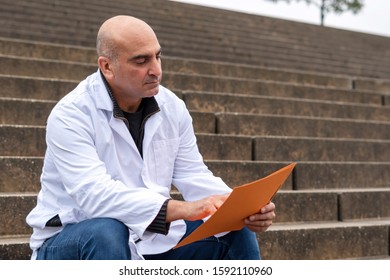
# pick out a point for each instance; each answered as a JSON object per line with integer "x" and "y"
{"x": 328, "y": 6}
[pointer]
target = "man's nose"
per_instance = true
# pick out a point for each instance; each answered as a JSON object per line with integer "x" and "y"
{"x": 155, "y": 67}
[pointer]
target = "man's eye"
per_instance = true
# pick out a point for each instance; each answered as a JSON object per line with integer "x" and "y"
{"x": 140, "y": 60}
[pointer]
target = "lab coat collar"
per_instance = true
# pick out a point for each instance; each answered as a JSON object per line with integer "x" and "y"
{"x": 108, "y": 102}
{"x": 102, "y": 99}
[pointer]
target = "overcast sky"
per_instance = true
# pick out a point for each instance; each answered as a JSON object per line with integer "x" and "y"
{"x": 373, "y": 18}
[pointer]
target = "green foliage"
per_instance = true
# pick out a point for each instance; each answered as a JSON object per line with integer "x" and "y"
{"x": 329, "y": 6}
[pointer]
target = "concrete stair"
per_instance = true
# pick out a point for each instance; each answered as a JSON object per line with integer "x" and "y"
{"x": 209, "y": 33}
{"x": 250, "y": 120}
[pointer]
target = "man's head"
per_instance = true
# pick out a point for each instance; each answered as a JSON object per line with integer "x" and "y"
{"x": 129, "y": 57}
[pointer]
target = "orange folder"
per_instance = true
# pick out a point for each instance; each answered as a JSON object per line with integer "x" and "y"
{"x": 243, "y": 201}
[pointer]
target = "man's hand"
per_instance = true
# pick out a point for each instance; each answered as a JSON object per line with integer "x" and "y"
{"x": 261, "y": 221}
{"x": 194, "y": 210}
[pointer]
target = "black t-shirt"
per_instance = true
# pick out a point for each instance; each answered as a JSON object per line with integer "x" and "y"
{"x": 135, "y": 121}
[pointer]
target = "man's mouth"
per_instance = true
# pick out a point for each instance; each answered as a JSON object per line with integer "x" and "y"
{"x": 153, "y": 82}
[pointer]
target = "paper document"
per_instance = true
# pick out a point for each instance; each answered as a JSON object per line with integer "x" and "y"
{"x": 243, "y": 201}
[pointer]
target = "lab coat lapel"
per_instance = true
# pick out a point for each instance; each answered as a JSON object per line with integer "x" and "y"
{"x": 120, "y": 128}
{"x": 104, "y": 102}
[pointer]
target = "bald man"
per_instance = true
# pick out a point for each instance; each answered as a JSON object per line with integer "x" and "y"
{"x": 115, "y": 146}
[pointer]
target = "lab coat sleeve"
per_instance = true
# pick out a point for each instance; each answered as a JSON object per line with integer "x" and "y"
{"x": 191, "y": 176}
{"x": 70, "y": 143}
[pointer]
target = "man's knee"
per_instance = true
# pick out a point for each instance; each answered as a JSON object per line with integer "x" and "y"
{"x": 109, "y": 230}
{"x": 106, "y": 239}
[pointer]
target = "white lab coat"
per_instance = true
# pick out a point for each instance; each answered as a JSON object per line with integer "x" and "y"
{"x": 92, "y": 167}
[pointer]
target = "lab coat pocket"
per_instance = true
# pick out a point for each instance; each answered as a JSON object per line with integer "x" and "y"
{"x": 165, "y": 152}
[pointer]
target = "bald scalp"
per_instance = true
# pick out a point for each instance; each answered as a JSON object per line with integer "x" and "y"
{"x": 118, "y": 31}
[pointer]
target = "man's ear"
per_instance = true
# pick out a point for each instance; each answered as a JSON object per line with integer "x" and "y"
{"x": 105, "y": 66}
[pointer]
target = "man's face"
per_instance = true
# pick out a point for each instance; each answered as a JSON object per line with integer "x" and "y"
{"x": 137, "y": 70}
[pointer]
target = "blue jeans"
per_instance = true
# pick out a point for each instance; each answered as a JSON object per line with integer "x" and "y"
{"x": 236, "y": 245}
{"x": 94, "y": 239}
{"x": 107, "y": 239}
